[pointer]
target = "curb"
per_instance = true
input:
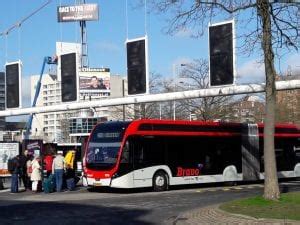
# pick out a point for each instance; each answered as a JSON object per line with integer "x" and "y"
{"x": 7, "y": 189}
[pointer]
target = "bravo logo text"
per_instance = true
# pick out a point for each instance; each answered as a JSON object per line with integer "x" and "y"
{"x": 181, "y": 172}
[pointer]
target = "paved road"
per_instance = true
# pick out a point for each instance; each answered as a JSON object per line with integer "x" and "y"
{"x": 113, "y": 207}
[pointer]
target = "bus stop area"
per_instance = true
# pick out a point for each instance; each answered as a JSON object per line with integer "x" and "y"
{"x": 5, "y": 184}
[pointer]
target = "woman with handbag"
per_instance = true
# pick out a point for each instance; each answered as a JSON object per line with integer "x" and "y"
{"x": 29, "y": 171}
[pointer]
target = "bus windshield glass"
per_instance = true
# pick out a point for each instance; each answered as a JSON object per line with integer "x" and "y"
{"x": 104, "y": 145}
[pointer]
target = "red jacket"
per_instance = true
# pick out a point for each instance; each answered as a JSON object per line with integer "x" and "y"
{"x": 48, "y": 162}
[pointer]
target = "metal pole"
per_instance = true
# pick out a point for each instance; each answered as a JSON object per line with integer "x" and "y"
{"x": 83, "y": 40}
{"x": 209, "y": 92}
{"x": 174, "y": 110}
{"x": 174, "y": 103}
{"x": 123, "y": 94}
{"x": 160, "y": 110}
{"x": 190, "y": 105}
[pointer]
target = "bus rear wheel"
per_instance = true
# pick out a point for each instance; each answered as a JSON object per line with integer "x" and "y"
{"x": 160, "y": 181}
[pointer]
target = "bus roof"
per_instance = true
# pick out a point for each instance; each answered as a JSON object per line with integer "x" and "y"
{"x": 201, "y": 128}
{"x": 147, "y": 127}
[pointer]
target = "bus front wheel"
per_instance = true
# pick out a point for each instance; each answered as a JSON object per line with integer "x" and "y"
{"x": 160, "y": 181}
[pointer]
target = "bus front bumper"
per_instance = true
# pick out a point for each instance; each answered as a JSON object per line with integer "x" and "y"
{"x": 105, "y": 182}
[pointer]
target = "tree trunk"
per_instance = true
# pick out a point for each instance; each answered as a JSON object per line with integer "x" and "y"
{"x": 271, "y": 190}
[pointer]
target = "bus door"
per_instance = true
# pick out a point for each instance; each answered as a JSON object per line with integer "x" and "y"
{"x": 149, "y": 155}
{"x": 126, "y": 162}
{"x": 250, "y": 152}
{"x": 131, "y": 163}
{"x": 139, "y": 173}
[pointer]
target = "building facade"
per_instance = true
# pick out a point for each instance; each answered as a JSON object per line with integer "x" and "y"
{"x": 288, "y": 103}
{"x": 2, "y": 99}
{"x": 56, "y": 127}
{"x": 250, "y": 109}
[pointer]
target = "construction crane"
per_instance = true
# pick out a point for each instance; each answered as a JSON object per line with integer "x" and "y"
{"x": 47, "y": 60}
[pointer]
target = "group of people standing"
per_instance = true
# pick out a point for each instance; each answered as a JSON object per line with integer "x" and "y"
{"x": 28, "y": 168}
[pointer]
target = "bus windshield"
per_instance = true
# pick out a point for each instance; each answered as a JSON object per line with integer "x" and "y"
{"x": 104, "y": 145}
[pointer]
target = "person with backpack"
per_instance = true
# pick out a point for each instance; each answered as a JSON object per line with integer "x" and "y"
{"x": 14, "y": 168}
{"x": 70, "y": 177}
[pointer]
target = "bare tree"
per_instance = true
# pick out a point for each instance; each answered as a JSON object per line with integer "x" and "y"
{"x": 273, "y": 26}
{"x": 195, "y": 76}
{"x": 145, "y": 110}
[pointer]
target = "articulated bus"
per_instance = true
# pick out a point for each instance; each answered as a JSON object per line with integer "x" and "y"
{"x": 159, "y": 153}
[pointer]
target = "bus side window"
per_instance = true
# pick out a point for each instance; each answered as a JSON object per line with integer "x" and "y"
{"x": 138, "y": 152}
{"x": 125, "y": 153}
{"x": 139, "y": 155}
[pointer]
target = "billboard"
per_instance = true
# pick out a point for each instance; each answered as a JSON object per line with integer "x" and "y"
{"x": 221, "y": 53}
{"x": 8, "y": 150}
{"x": 68, "y": 77}
{"x": 13, "y": 84}
{"x": 77, "y": 13}
{"x": 94, "y": 82}
{"x": 137, "y": 66}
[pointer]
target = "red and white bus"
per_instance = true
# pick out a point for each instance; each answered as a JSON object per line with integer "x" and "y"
{"x": 159, "y": 153}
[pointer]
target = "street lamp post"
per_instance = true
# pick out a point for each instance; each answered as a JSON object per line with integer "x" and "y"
{"x": 189, "y": 107}
{"x": 174, "y": 77}
{"x": 190, "y": 112}
{"x": 174, "y": 102}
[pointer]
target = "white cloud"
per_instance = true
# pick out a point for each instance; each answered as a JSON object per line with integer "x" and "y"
{"x": 254, "y": 71}
{"x": 251, "y": 72}
{"x": 291, "y": 65}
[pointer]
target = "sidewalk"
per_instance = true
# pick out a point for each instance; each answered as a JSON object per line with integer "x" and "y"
{"x": 214, "y": 215}
{"x": 7, "y": 184}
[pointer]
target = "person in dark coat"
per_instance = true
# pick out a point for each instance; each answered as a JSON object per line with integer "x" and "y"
{"x": 14, "y": 188}
{"x": 70, "y": 177}
{"x": 23, "y": 169}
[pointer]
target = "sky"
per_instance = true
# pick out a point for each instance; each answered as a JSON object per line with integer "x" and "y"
{"x": 36, "y": 38}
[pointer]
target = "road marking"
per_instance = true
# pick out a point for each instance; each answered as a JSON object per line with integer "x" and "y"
{"x": 237, "y": 188}
{"x": 212, "y": 189}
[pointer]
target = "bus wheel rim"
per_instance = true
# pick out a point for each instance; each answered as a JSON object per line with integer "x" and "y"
{"x": 159, "y": 181}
